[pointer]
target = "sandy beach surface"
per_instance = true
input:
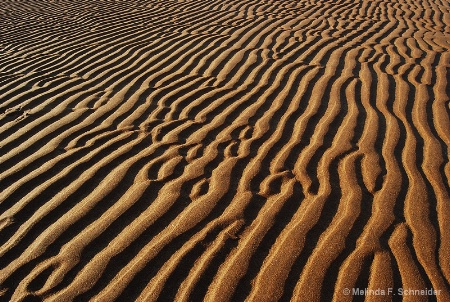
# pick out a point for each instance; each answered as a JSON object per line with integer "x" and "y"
{"x": 225, "y": 150}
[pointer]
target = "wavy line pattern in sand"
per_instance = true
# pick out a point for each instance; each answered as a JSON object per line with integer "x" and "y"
{"x": 223, "y": 150}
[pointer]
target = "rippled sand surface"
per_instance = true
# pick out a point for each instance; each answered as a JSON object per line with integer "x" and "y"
{"x": 224, "y": 150}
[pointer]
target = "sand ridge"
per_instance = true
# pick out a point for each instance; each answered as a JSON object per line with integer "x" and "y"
{"x": 224, "y": 150}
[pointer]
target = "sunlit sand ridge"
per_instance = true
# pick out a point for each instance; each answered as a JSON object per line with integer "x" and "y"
{"x": 224, "y": 150}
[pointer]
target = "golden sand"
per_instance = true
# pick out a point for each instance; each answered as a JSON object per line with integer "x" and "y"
{"x": 224, "y": 150}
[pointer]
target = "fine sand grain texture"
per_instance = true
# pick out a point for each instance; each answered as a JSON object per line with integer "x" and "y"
{"x": 224, "y": 150}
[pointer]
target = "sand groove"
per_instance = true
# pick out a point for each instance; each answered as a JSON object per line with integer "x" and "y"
{"x": 224, "y": 150}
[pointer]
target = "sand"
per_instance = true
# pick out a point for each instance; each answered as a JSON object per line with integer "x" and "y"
{"x": 224, "y": 150}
